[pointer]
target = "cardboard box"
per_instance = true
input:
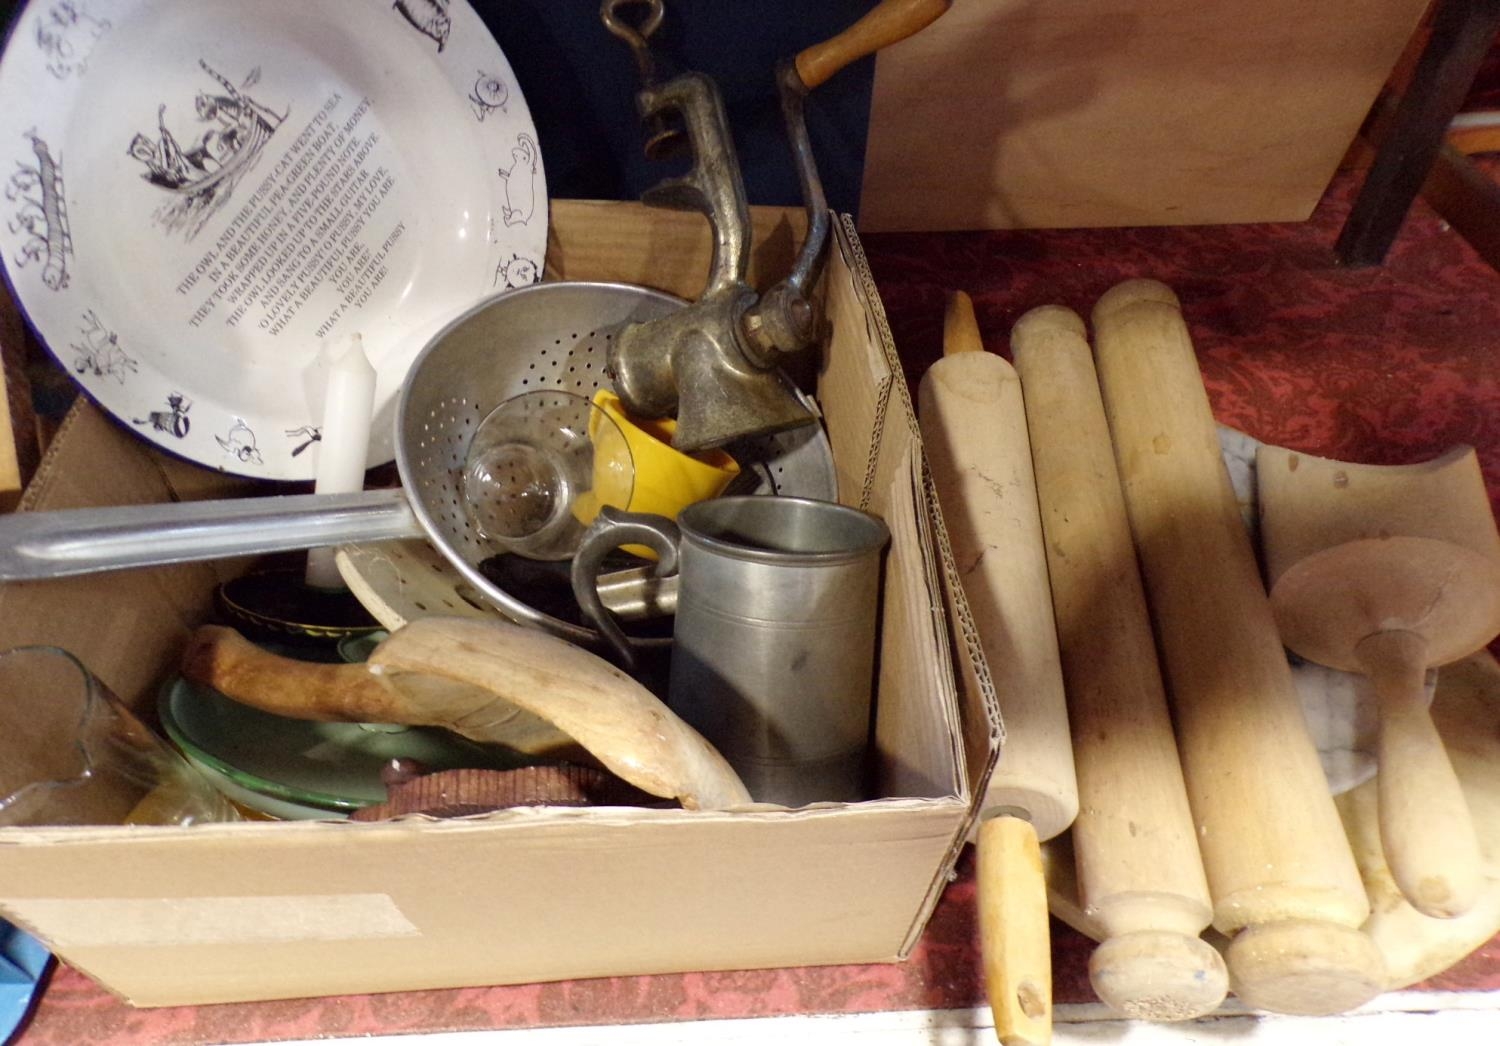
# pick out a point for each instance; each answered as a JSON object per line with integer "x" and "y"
{"x": 217, "y": 913}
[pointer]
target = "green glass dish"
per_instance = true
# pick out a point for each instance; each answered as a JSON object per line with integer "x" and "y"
{"x": 303, "y": 768}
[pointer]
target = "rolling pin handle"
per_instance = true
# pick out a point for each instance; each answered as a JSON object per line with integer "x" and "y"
{"x": 1304, "y": 967}
{"x": 1014, "y": 928}
{"x": 960, "y": 328}
{"x": 1158, "y": 975}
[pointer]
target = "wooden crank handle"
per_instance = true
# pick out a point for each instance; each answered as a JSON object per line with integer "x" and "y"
{"x": 1014, "y": 933}
{"x": 960, "y": 328}
{"x": 887, "y": 23}
{"x": 221, "y": 658}
{"x": 1426, "y": 829}
{"x": 343, "y": 693}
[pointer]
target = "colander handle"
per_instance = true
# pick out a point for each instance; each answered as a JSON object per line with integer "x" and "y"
{"x": 65, "y": 542}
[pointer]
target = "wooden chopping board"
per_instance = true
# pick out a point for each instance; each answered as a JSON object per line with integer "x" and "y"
{"x": 1416, "y": 947}
{"x": 1072, "y": 113}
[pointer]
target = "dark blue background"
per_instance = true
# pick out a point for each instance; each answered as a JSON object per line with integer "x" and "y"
{"x": 580, "y": 82}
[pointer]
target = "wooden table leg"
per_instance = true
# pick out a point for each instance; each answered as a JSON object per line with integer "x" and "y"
{"x": 1462, "y": 33}
{"x": 1468, "y": 199}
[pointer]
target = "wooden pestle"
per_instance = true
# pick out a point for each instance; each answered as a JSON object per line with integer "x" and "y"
{"x": 1140, "y": 874}
{"x": 1283, "y": 879}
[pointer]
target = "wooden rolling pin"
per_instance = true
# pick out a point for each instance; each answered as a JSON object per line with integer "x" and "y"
{"x": 1140, "y": 874}
{"x": 1280, "y": 870}
{"x": 973, "y": 425}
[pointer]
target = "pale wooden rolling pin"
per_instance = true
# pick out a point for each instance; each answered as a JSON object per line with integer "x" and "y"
{"x": 1280, "y": 870}
{"x": 1140, "y": 874}
{"x": 973, "y": 425}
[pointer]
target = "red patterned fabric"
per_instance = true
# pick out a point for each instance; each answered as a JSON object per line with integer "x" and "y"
{"x": 1380, "y": 365}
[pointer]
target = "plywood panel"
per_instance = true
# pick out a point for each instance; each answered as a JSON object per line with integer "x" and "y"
{"x": 1076, "y": 113}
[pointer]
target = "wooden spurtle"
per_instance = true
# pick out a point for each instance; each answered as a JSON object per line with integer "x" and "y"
{"x": 490, "y": 681}
{"x": 1283, "y": 880}
{"x": 1389, "y": 570}
{"x": 1139, "y": 869}
{"x": 973, "y": 425}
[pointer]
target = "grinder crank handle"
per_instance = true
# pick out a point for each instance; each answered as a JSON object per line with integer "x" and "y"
{"x": 782, "y": 321}
{"x": 883, "y": 25}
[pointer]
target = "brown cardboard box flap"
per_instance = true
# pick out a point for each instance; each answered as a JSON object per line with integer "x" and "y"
{"x": 258, "y": 911}
{"x": 981, "y": 725}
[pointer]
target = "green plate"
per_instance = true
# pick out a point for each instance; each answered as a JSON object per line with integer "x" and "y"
{"x": 303, "y": 765}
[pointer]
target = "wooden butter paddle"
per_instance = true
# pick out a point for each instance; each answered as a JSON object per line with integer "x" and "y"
{"x": 1389, "y": 570}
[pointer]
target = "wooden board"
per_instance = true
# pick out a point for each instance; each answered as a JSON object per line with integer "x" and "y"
{"x": 1071, "y": 113}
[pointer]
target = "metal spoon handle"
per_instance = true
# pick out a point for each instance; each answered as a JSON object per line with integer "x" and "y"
{"x": 37, "y": 545}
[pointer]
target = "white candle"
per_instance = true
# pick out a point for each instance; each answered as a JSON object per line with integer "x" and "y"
{"x": 343, "y": 443}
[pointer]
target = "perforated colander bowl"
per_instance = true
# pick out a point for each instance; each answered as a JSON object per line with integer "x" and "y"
{"x": 546, "y": 336}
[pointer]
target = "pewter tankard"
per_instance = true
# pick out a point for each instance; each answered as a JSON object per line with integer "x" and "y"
{"x": 774, "y": 641}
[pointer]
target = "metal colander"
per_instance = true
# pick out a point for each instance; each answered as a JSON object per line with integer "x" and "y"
{"x": 547, "y": 336}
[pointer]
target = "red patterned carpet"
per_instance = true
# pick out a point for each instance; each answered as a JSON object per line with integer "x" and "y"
{"x": 1379, "y": 365}
{"x": 1383, "y": 365}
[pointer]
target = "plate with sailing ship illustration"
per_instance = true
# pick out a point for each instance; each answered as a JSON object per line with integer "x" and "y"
{"x": 205, "y": 199}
